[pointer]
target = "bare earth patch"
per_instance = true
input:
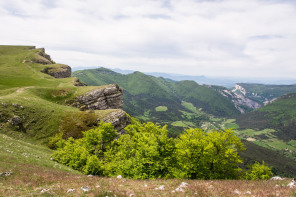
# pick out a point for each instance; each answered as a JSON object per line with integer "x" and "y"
{"x": 251, "y": 139}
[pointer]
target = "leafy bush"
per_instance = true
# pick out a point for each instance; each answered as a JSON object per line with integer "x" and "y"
{"x": 210, "y": 155}
{"x": 79, "y": 153}
{"x": 259, "y": 171}
{"x": 146, "y": 151}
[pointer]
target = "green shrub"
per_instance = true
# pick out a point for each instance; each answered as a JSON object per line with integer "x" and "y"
{"x": 259, "y": 171}
{"x": 80, "y": 153}
{"x": 210, "y": 155}
{"x": 94, "y": 166}
{"x": 144, "y": 152}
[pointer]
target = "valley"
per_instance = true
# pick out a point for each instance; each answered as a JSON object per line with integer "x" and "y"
{"x": 185, "y": 104}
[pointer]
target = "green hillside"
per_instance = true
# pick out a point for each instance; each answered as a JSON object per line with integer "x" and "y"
{"x": 273, "y": 125}
{"x": 144, "y": 95}
{"x": 35, "y": 101}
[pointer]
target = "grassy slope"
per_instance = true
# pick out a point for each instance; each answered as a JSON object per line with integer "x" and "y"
{"x": 273, "y": 126}
{"x": 279, "y": 115}
{"x": 40, "y": 98}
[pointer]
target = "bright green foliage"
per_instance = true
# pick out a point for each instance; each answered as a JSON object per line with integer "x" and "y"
{"x": 208, "y": 155}
{"x": 144, "y": 152}
{"x": 80, "y": 154}
{"x": 73, "y": 154}
{"x": 55, "y": 141}
{"x": 94, "y": 165}
{"x": 259, "y": 171}
{"x": 98, "y": 140}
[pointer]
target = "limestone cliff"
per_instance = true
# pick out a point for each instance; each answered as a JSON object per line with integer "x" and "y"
{"x": 101, "y": 98}
{"x": 104, "y": 98}
{"x": 240, "y": 101}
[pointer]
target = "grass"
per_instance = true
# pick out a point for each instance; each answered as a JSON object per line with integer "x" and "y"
{"x": 42, "y": 100}
{"x": 48, "y": 182}
{"x": 190, "y": 106}
{"x": 185, "y": 124}
{"x": 161, "y": 108}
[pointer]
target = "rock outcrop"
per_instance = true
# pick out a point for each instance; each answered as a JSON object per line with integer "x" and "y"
{"x": 58, "y": 70}
{"x": 41, "y": 57}
{"x": 119, "y": 120}
{"x": 106, "y": 97}
{"x": 43, "y": 54}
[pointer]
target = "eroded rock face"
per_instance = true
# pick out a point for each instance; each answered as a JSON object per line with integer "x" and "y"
{"x": 119, "y": 120}
{"x": 60, "y": 71}
{"x": 239, "y": 100}
{"x": 107, "y": 97}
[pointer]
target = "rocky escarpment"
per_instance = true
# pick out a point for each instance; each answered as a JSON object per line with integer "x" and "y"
{"x": 58, "y": 70}
{"x": 106, "y": 97}
{"x": 103, "y": 98}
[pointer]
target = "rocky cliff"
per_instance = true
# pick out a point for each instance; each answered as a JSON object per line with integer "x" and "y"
{"x": 105, "y": 97}
{"x": 240, "y": 101}
{"x": 58, "y": 70}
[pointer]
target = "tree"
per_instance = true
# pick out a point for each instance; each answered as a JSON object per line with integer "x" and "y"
{"x": 144, "y": 152}
{"x": 210, "y": 155}
{"x": 259, "y": 171}
{"x": 87, "y": 153}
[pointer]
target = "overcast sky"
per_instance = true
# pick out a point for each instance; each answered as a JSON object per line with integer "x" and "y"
{"x": 248, "y": 38}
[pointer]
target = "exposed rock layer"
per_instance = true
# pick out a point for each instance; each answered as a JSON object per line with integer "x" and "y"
{"x": 107, "y": 97}
{"x": 240, "y": 101}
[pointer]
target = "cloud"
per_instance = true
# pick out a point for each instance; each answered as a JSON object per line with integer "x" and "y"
{"x": 219, "y": 37}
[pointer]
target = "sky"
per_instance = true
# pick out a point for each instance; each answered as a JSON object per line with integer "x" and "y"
{"x": 235, "y": 38}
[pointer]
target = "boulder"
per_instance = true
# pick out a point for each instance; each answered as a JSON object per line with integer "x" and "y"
{"x": 16, "y": 121}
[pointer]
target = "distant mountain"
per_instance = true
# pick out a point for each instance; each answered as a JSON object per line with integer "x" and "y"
{"x": 228, "y": 82}
{"x": 182, "y": 103}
